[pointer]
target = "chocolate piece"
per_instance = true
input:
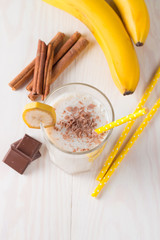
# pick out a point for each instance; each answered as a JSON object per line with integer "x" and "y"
{"x": 29, "y": 146}
{"x": 36, "y": 155}
{"x": 91, "y": 106}
{"x": 22, "y": 152}
{"x": 16, "y": 160}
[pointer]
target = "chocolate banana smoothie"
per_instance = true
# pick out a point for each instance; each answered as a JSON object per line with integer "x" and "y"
{"x": 72, "y": 143}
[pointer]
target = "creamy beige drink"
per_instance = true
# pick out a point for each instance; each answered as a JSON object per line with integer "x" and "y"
{"x": 78, "y": 114}
{"x": 72, "y": 143}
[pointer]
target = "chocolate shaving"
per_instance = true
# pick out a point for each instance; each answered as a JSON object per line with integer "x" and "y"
{"x": 91, "y": 106}
{"x": 69, "y": 109}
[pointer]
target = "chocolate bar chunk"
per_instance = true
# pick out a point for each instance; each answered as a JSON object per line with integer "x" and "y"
{"x": 29, "y": 145}
{"x": 22, "y": 153}
{"x": 36, "y": 155}
{"x": 16, "y": 160}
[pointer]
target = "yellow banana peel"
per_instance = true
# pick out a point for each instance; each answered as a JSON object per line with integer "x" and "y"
{"x": 111, "y": 35}
{"x": 135, "y": 16}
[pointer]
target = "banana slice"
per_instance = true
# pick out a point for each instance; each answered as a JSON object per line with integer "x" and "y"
{"x": 35, "y": 113}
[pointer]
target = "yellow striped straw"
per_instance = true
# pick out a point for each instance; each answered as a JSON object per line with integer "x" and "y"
{"x": 128, "y": 127}
{"x": 121, "y": 121}
{"x": 123, "y": 153}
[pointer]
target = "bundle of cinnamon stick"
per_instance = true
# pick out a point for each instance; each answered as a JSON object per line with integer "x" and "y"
{"x": 51, "y": 60}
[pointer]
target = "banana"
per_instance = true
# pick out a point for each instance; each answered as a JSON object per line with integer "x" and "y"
{"x": 36, "y": 113}
{"x": 110, "y": 33}
{"x": 135, "y": 16}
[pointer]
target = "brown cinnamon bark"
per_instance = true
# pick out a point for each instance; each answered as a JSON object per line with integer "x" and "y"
{"x": 29, "y": 86}
{"x": 66, "y": 46}
{"x": 40, "y": 79}
{"x": 58, "y": 39}
{"x": 27, "y": 72}
{"x": 48, "y": 70}
{"x": 68, "y": 58}
{"x": 24, "y": 76}
{"x": 32, "y": 97}
{"x": 39, "y": 68}
{"x": 62, "y": 51}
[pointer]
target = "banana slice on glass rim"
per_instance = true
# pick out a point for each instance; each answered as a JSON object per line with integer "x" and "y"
{"x": 36, "y": 113}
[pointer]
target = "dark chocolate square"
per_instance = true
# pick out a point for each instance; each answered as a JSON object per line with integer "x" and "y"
{"x": 36, "y": 155}
{"x": 16, "y": 160}
{"x": 29, "y": 146}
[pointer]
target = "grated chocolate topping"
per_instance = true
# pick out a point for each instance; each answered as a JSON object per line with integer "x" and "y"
{"x": 79, "y": 122}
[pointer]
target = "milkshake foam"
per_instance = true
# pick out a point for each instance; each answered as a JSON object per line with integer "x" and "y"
{"x": 78, "y": 114}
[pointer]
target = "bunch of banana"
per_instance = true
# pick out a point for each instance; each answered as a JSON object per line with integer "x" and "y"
{"x": 112, "y": 36}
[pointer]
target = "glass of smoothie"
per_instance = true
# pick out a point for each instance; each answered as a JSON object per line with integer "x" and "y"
{"x": 72, "y": 143}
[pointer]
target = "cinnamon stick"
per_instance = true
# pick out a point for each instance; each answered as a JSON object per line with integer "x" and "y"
{"x": 25, "y": 75}
{"x": 29, "y": 86}
{"x": 62, "y": 51}
{"x": 48, "y": 70}
{"x": 66, "y": 46}
{"x": 27, "y": 72}
{"x": 32, "y": 97}
{"x": 68, "y": 58}
{"x": 39, "y": 68}
{"x": 53, "y": 60}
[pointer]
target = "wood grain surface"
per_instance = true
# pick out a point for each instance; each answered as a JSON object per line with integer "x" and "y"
{"x": 45, "y": 203}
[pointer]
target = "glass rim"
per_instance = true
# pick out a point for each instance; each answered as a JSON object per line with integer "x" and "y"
{"x": 99, "y": 145}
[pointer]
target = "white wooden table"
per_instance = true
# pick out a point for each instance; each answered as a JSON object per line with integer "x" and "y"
{"x": 45, "y": 203}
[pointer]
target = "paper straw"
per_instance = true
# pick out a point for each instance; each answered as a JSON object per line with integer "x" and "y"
{"x": 121, "y": 121}
{"x": 128, "y": 146}
{"x": 128, "y": 127}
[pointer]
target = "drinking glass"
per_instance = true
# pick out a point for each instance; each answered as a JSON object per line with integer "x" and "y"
{"x": 76, "y": 162}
